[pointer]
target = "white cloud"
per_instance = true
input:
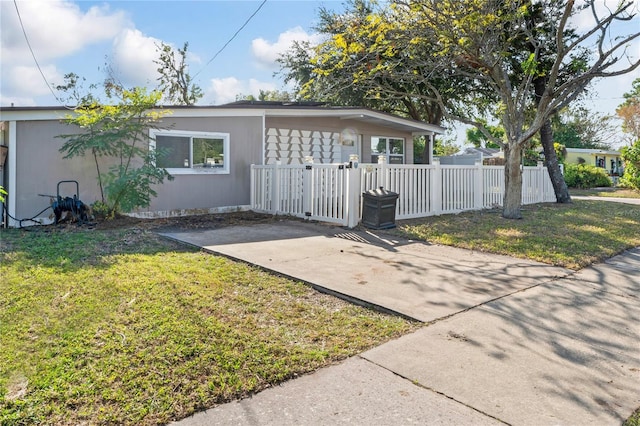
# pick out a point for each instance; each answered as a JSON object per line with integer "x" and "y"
{"x": 266, "y": 52}
{"x": 55, "y": 28}
{"x": 225, "y": 90}
{"x": 133, "y": 58}
{"x": 17, "y": 101}
{"x": 27, "y": 81}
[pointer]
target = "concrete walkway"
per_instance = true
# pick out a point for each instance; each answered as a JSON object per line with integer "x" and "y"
{"x": 511, "y": 341}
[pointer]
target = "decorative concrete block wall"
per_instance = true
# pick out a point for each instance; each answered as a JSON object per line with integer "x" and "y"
{"x": 290, "y": 146}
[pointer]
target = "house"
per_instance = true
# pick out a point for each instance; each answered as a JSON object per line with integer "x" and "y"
{"x": 608, "y": 160}
{"x": 211, "y": 151}
{"x": 471, "y": 155}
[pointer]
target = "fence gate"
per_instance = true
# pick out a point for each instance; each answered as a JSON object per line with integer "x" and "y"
{"x": 313, "y": 191}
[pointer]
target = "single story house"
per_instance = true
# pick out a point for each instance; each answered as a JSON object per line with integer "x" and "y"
{"x": 229, "y": 138}
{"x": 471, "y": 155}
{"x": 608, "y": 160}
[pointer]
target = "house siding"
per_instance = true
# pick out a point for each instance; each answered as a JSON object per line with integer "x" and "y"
{"x": 212, "y": 191}
{"x": 36, "y": 165}
{"x": 608, "y": 160}
{"x": 280, "y": 145}
{"x": 40, "y": 166}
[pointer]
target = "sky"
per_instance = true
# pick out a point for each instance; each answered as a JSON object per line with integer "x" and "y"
{"x": 82, "y": 36}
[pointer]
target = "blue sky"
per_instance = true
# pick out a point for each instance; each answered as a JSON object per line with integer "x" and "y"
{"x": 79, "y": 36}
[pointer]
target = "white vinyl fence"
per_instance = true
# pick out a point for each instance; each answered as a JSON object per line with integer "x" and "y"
{"x": 333, "y": 192}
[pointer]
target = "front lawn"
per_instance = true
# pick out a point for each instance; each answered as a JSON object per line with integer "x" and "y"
{"x": 606, "y": 192}
{"x": 573, "y": 236}
{"x": 123, "y": 327}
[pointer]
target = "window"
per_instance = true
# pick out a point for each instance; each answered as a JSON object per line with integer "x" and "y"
{"x": 391, "y": 148}
{"x": 184, "y": 152}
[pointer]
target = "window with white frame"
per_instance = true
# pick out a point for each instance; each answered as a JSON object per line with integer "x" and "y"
{"x": 391, "y": 148}
{"x": 185, "y": 152}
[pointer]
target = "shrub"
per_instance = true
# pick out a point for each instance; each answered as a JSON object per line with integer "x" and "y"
{"x": 631, "y": 158}
{"x": 585, "y": 176}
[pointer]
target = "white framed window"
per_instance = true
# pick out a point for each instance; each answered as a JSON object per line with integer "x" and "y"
{"x": 391, "y": 148}
{"x": 188, "y": 152}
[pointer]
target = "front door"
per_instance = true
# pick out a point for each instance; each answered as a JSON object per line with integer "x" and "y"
{"x": 351, "y": 146}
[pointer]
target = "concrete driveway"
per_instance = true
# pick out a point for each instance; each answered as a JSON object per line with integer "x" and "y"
{"x": 417, "y": 280}
{"x": 510, "y": 341}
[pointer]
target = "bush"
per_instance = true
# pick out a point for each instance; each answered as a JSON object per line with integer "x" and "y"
{"x": 585, "y": 176}
{"x": 631, "y": 158}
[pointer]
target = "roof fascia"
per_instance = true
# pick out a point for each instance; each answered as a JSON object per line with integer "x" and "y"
{"x": 349, "y": 114}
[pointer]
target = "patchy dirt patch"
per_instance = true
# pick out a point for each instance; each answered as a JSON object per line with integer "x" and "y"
{"x": 205, "y": 221}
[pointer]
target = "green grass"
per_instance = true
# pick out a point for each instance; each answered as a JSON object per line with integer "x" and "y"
{"x": 606, "y": 192}
{"x": 634, "y": 419}
{"x": 572, "y": 236}
{"x": 123, "y": 327}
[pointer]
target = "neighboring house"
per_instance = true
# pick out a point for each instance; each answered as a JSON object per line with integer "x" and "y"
{"x": 471, "y": 155}
{"x": 608, "y": 160}
{"x": 229, "y": 138}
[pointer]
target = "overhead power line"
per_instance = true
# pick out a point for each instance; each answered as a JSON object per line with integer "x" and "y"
{"x": 232, "y": 37}
{"x": 33, "y": 54}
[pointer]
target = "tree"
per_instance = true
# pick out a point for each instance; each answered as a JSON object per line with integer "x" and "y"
{"x": 343, "y": 70}
{"x": 116, "y": 136}
{"x": 580, "y": 128}
{"x": 629, "y": 112}
{"x": 478, "y": 139}
{"x": 175, "y": 82}
{"x": 267, "y": 95}
{"x": 474, "y": 40}
{"x": 631, "y": 158}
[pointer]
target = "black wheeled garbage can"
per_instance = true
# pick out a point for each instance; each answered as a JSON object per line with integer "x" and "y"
{"x": 379, "y": 208}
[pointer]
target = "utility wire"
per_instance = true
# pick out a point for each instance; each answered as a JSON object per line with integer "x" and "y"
{"x": 33, "y": 54}
{"x": 232, "y": 37}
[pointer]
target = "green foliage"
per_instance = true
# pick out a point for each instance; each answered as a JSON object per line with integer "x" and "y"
{"x": 631, "y": 157}
{"x": 267, "y": 95}
{"x": 561, "y": 152}
{"x": 586, "y": 176}
{"x": 175, "y": 82}
{"x": 441, "y": 147}
{"x": 479, "y": 139}
{"x": 119, "y": 132}
{"x": 101, "y": 210}
{"x": 128, "y": 188}
{"x": 580, "y": 128}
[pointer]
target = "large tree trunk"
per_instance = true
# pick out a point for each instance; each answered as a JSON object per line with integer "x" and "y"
{"x": 551, "y": 159}
{"x": 553, "y": 166}
{"x": 425, "y": 152}
{"x": 512, "y": 183}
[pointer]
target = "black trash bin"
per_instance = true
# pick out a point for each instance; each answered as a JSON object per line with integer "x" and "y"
{"x": 379, "y": 208}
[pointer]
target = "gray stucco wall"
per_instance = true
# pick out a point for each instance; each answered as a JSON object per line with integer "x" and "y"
{"x": 40, "y": 166}
{"x": 215, "y": 190}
